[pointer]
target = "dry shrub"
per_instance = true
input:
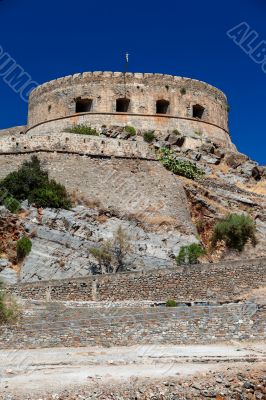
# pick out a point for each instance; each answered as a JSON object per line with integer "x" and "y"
{"x": 9, "y": 309}
{"x": 33, "y": 233}
{"x": 258, "y": 188}
{"x": 160, "y": 220}
{"x": 61, "y": 263}
{"x": 78, "y": 198}
{"x": 101, "y": 219}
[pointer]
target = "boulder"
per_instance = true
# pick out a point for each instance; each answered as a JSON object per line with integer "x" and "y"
{"x": 211, "y": 159}
{"x": 160, "y": 144}
{"x": 4, "y": 263}
{"x": 207, "y": 148}
{"x": 9, "y": 276}
{"x": 174, "y": 139}
{"x": 233, "y": 159}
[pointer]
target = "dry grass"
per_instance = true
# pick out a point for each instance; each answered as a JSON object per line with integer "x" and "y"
{"x": 78, "y": 198}
{"x": 257, "y": 188}
{"x": 101, "y": 219}
{"x": 159, "y": 220}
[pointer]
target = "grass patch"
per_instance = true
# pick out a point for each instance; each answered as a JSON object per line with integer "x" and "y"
{"x": 82, "y": 129}
{"x": 171, "y": 303}
{"x": 149, "y": 136}
{"x": 130, "y": 130}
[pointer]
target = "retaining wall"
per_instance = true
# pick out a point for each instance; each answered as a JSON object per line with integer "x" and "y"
{"x": 74, "y": 143}
{"x": 55, "y": 325}
{"x": 225, "y": 281}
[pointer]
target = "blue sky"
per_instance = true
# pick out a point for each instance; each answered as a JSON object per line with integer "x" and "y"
{"x": 52, "y": 38}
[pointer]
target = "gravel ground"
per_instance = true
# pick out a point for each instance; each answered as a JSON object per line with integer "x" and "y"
{"x": 137, "y": 372}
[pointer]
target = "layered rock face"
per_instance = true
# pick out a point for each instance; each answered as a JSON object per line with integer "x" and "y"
{"x": 139, "y": 196}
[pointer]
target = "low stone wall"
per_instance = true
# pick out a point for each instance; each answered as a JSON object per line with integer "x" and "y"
{"x": 225, "y": 281}
{"x": 53, "y": 324}
{"x": 74, "y": 143}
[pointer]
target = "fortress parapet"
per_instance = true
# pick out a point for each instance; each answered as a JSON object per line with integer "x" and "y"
{"x": 162, "y": 103}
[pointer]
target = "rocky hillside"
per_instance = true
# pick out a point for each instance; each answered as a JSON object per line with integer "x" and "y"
{"x": 172, "y": 210}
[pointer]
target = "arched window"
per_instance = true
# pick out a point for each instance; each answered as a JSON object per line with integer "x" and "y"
{"x": 122, "y": 105}
{"x": 162, "y": 107}
{"x": 198, "y": 111}
{"x": 83, "y": 105}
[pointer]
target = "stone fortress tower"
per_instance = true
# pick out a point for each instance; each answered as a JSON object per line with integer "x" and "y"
{"x": 158, "y": 102}
{"x": 118, "y": 170}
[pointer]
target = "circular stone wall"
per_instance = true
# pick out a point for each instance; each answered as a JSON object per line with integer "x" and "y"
{"x": 146, "y": 101}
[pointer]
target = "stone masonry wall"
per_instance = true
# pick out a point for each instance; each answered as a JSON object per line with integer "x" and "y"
{"x": 57, "y": 325}
{"x": 57, "y": 99}
{"x": 225, "y": 281}
{"x": 73, "y": 143}
{"x": 130, "y": 188}
{"x": 190, "y": 128}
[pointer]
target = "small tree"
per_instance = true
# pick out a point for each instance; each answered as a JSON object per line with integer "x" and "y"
{"x": 189, "y": 254}
{"x": 104, "y": 257}
{"x": 235, "y": 230}
{"x": 111, "y": 255}
{"x": 23, "y": 247}
{"x": 121, "y": 247}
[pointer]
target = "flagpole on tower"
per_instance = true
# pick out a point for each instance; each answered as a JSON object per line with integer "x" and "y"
{"x": 127, "y": 60}
{"x": 125, "y": 71}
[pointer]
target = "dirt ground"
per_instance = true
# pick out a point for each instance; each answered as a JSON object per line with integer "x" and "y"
{"x": 47, "y": 373}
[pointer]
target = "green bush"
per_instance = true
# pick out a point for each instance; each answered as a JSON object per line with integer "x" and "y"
{"x": 32, "y": 183}
{"x": 23, "y": 247}
{"x": 130, "y": 130}
{"x": 176, "y": 132}
{"x": 179, "y": 167}
{"x": 20, "y": 183}
{"x": 189, "y": 254}
{"x": 183, "y": 91}
{"x": 82, "y": 129}
{"x": 235, "y": 230}
{"x": 171, "y": 303}
{"x": 8, "y": 308}
{"x": 149, "y": 136}
{"x": 52, "y": 195}
{"x": 12, "y": 204}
